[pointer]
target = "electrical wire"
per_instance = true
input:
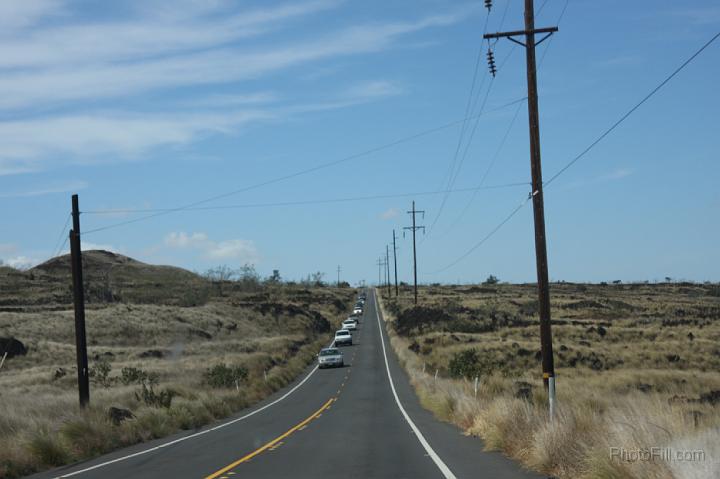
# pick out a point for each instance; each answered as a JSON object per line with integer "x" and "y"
{"x": 58, "y": 246}
{"x": 487, "y": 170}
{"x": 486, "y": 237}
{"x": 299, "y": 173}
{"x": 631, "y": 111}
{"x": 301, "y": 202}
{"x": 600, "y": 138}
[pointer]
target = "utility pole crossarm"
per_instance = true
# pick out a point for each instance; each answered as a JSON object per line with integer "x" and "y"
{"x": 517, "y": 33}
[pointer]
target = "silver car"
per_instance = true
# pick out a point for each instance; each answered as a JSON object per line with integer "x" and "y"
{"x": 350, "y": 324}
{"x": 343, "y": 336}
{"x": 330, "y": 358}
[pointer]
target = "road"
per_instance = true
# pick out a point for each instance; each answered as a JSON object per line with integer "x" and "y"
{"x": 351, "y": 422}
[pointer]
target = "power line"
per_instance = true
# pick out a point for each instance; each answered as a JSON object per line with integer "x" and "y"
{"x": 486, "y": 237}
{"x": 58, "y": 246}
{"x": 301, "y": 172}
{"x": 301, "y": 202}
{"x": 632, "y": 110}
{"x": 549, "y": 43}
{"x": 487, "y": 171}
{"x": 615, "y": 125}
{"x": 469, "y": 107}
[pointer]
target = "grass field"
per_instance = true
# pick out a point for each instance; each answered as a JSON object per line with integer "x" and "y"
{"x": 637, "y": 367}
{"x": 174, "y": 349}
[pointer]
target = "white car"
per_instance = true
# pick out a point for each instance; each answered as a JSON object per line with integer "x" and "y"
{"x": 343, "y": 336}
{"x": 349, "y": 324}
{"x": 357, "y": 310}
{"x": 330, "y": 358}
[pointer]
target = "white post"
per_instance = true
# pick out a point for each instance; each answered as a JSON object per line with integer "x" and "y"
{"x": 476, "y": 386}
{"x": 423, "y": 367}
{"x": 551, "y": 397}
{"x": 237, "y": 386}
{"x": 265, "y": 374}
{"x": 3, "y": 359}
{"x": 436, "y": 373}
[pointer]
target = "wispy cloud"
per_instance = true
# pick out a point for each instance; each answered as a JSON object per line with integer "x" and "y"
{"x": 390, "y": 213}
{"x": 709, "y": 15}
{"x": 41, "y": 190}
{"x": 65, "y": 77}
{"x": 240, "y": 250}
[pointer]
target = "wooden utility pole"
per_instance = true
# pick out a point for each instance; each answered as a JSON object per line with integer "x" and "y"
{"x": 395, "y": 260}
{"x": 537, "y": 189}
{"x": 387, "y": 268}
{"x": 338, "y": 272}
{"x": 380, "y": 264}
{"x": 414, "y": 228}
{"x": 79, "y": 301}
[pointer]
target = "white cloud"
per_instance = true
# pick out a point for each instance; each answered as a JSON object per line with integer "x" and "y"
{"x": 41, "y": 190}
{"x": 243, "y": 251}
{"x": 377, "y": 88}
{"x": 233, "y": 249}
{"x": 20, "y": 262}
{"x": 390, "y": 213}
{"x": 18, "y": 14}
{"x": 184, "y": 240}
{"x": 618, "y": 174}
{"x": 87, "y": 246}
{"x": 191, "y": 45}
{"x": 7, "y": 248}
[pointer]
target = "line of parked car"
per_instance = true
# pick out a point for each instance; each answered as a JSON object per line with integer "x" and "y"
{"x": 332, "y": 356}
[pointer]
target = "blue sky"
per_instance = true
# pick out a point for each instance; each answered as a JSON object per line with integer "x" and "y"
{"x": 153, "y": 104}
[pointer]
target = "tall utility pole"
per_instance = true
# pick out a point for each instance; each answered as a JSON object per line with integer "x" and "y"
{"x": 414, "y": 228}
{"x": 395, "y": 260}
{"x": 387, "y": 268}
{"x": 380, "y": 265}
{"x": 79, "y": 301}
{"x": 338, "y": 271}
{"x": 537, "y": 190}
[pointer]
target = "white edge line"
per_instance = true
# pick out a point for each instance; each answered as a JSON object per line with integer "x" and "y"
{"x": 444, "y": 469}
{"x": 197, "y": 434}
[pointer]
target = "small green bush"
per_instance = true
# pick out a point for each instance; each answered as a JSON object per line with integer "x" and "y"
{"x": 465, "y": 363}
{"x": 155, "y": 399}
{"x": 131, "y": 375}
{"x": 224, "y": 376}
{"x": 101, "y": 373}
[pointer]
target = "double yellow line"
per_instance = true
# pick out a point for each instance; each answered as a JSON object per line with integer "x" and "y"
{"x": 271, "y": 443}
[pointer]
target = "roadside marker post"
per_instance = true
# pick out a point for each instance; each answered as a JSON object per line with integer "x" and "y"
{"x": 476, "y": 386}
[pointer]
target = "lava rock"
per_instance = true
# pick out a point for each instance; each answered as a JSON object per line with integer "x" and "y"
{"x": 118, "y": 415}
{"x": 12, "y": 347}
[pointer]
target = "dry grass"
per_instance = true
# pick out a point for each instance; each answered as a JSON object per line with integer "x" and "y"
{"x": 273, "y": 329}
{"x": 624, "y": 389}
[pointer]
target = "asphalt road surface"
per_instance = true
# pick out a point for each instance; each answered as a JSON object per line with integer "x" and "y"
{"x": 351, "y": 422}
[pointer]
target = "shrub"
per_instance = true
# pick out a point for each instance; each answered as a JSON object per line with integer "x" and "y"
{"x": 224, "y": 376}
{"x": 492, "y": 280}
{"x": 49, "y": 450}
{"x": 465, "y": 364}
{"x": 131, "y": 375}
{"x": 155, "y": 399}
{"x": 101, "y": 373}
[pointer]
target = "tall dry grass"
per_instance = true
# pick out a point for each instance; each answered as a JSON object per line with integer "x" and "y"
{"x": 597, "y": 411}
{"x": 272, "y": 333}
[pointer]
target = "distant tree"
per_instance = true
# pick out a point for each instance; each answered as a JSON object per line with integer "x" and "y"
{"x": 220, "y": 273}
{"x": 275, "y": 277}
{"x": 668, "y": 279}
{"x": 314, "y": 279}
{"x": 492, "y": 280}
{"x": 617, "y": 281}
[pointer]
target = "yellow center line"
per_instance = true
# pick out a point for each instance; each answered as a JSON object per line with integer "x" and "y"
{"x": 271, "y": 443}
